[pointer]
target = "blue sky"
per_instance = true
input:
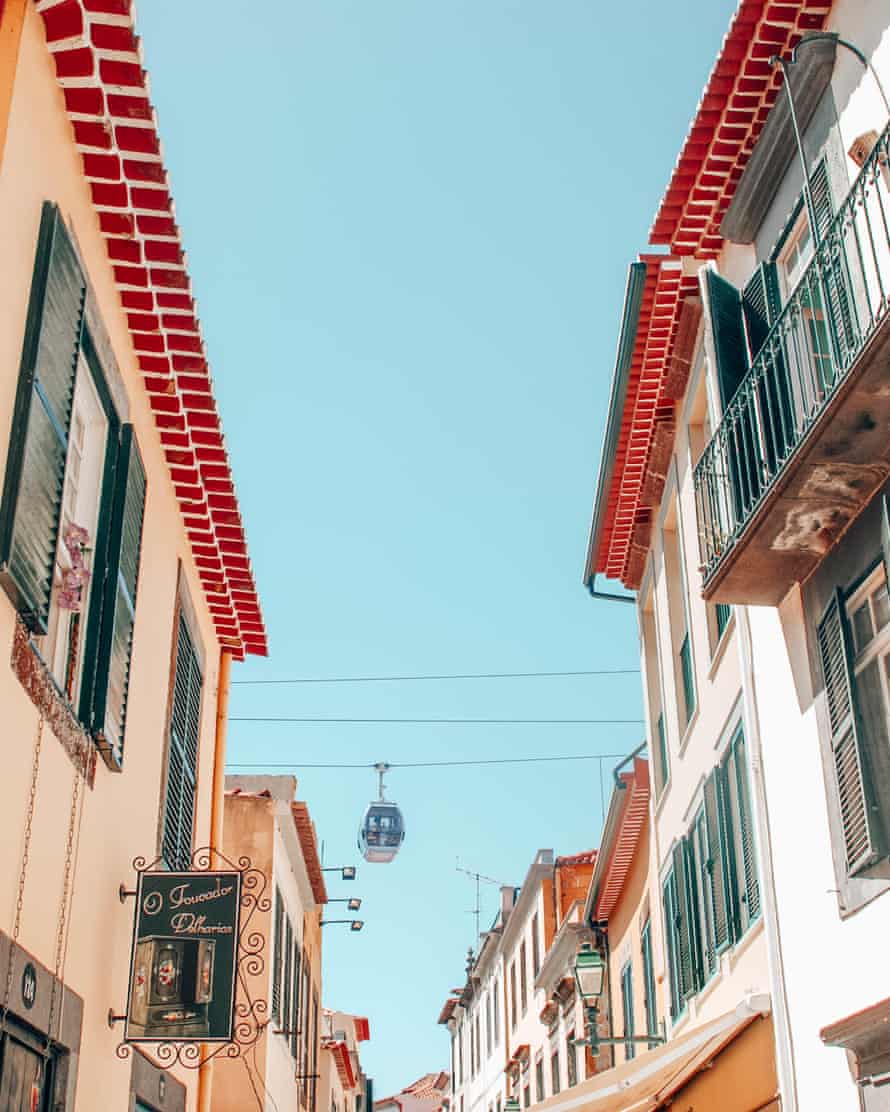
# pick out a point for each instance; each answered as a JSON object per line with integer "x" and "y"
{"x": 409, "y": 225}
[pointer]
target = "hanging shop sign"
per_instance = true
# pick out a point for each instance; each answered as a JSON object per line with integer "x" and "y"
{"x": 184, "y": 957}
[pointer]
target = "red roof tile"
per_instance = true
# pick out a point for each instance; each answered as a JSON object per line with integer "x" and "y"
{"x": 99, "y": 67}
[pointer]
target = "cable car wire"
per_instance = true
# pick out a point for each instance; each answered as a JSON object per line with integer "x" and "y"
{"x": 448, "y": 721}
{"x": 454, "y": 676}
{"x": 438, "y": 764}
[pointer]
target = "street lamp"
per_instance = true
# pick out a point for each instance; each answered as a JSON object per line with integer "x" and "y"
{"x": 590, "y": 975}
{"x": 347, "y": 872}
{"x": 354, "y": 924}
{"x": 352, "y": 904}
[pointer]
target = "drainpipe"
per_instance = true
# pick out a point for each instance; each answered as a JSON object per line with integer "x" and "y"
{"x": 217, "y": 799}
{"x": 12, "y": 19}
{"x": 784, "y": 1037}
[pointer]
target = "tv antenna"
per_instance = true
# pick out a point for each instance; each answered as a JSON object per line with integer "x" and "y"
{"x": 480, "y": 879}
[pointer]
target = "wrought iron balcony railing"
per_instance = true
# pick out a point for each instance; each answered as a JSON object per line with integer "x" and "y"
{"x": 842, "y": 298}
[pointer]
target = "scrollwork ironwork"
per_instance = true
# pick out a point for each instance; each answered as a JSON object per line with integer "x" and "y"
{"x": 250, "y": 1013}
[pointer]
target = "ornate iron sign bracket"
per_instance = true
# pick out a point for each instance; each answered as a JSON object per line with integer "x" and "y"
{"x": 249, "y": 1014}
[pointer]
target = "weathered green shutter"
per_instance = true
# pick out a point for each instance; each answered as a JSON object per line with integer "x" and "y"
{"x": 836, "y": 273}
{"x": 860, "y": 817}
{"x": 885, "y": 537}
{"x": 276, "y": 956}
{"x": 749, "y": 887}
{"x": 35, "y": 467}
{"x": 627, "y": 1006}
{"x": 704, "y": 885}
{"x": 669, "y": 894}
{"x": 296, "y": 1009}
{"x": 182, "y": 764}
{"x": 287, "y": 1006}
{"x": 761, "y": 305}
{"x": 729, "y": 335}
{"x": 685, "y": 939}
{"x": 717, "y": 856}
{"x": 115, "y": 640}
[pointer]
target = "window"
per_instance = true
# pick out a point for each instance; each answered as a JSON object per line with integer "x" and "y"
{"x": 571, "y": 1059}
{"x": 796, "y": 254}
{"x": 722, "y": 614}
{"x": 496, "y": 1011}
{"x": 627, "y": 1008}
{"x": 523, "y": 978}
{"x": 295, "y": 1001}
{"x": 73, "y": 498}
{"x": 287, "y": 990}
{"x": 539, "y": 1078}
{"x": 460, "y": 1055}
{"x": 711, "y": 891}
{"x": 488, "y": 1032}
{"x": 649, "y": 1000}
{"x": 514, "y": 1011}
{"x": 472, "y": 1049}
{"x": 478, "y": 1045}
{"x": 182, "y": 750}
{"x": 554, "y": 1071}
{"x": 661, "y": 762}
{"x": 854, "y": 645}
{"x": 536, "y": 946}
{"x": 526, "y": 1095}
{"x": 684, "y": 670}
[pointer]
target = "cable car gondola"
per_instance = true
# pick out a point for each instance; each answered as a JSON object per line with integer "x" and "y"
{"x": 383, "y": 829}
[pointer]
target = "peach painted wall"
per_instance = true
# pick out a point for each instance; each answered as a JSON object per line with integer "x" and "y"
{"x": 119, "y": 818}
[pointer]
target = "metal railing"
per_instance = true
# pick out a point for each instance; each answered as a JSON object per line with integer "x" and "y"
{"x": 841, "y": 299}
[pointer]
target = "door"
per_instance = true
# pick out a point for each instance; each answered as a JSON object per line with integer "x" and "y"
{"x": 25, "y": 1078}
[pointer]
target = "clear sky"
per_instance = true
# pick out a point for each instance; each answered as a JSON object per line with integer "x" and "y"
{"x": 409, "y": 226}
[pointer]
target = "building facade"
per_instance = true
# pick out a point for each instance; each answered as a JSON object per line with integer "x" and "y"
{"x": 743, "y": 498}
{"x": 342, "y": 1084}
{"x": 264, "y": 822}
{"x": 126, "y": 587}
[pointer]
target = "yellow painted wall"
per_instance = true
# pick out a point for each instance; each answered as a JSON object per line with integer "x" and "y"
{"x": 120, "y": 815}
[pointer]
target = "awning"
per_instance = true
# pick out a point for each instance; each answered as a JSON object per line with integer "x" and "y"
{"x": 647, "y": 1082}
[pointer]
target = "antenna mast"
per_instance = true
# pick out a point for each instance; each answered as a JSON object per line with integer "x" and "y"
{"x": 480, "y": 879}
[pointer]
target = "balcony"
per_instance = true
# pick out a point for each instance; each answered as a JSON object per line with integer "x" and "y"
{"x": 803, "y": 443}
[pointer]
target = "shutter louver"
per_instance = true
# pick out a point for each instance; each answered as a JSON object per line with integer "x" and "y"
{"x": 119, "y": 605}
{"x": 717, "y": 863}
{"x": 185, "y": 718}
{"x": 35, "y": 469}
{"x": 685, "y": 960}
{"x": 729, "y": 335}
{"x": 276, "y": 957}
{"x": 750, "y": 885}
{"x": 287, "y": 989}
{"x": 835, "y": 271}
{"x": 857, "y": 812}
{"x": 295, "y": 1023}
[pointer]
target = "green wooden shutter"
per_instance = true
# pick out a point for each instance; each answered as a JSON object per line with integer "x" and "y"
{"x": 182, "y": 762}
{"x": 115, "y": 638}
{"x": 728, "y": 329}
{"x": 749, "y": 884}
{"x": 685, "y": 939}
{"x": 672, "y": 942}
{"x": 835, "y": 269}
{"x": 627, "y": 1007}
{"x": 649, "y": 981}
{"x": 717, "y": 855}
{"x": 863, "y": 836}
{"x": 287, "y": 988}
{"x": 276, "y": 956}
{"x": 885, "y": 537}
{"x": 761, "y": 305}
{"x": 35, "y": 466}
{"x": 295, "y": 992}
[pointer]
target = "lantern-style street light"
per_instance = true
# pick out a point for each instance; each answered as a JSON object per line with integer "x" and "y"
{"x": 352, "y": 904}
{"x": 347, "y": 872}
{"x": 354, "y": 924}
{"x": 590, "y": 975}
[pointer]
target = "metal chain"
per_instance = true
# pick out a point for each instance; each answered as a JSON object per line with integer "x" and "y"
{"x": 26, "y": 853}
{"x": 63, "y": 909}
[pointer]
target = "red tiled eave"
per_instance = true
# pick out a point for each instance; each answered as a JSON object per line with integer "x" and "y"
{"x": 734, "y": 105}
{"x": 634, "y": 815}
{"x": 664, "y": 290}
{"x": 98, "y": 64}
{"x": 309, "y": 846}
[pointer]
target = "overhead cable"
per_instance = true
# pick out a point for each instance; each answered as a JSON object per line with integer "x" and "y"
{"x": 437, "y": 764}
{"x": 445, "y": 721}
{"x": 452, "y": 676}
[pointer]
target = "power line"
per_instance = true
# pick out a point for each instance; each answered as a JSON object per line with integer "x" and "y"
{"x": 441, "y": 764}
{"x": 443, "y": 721}
{"x": 454, "y": 676}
